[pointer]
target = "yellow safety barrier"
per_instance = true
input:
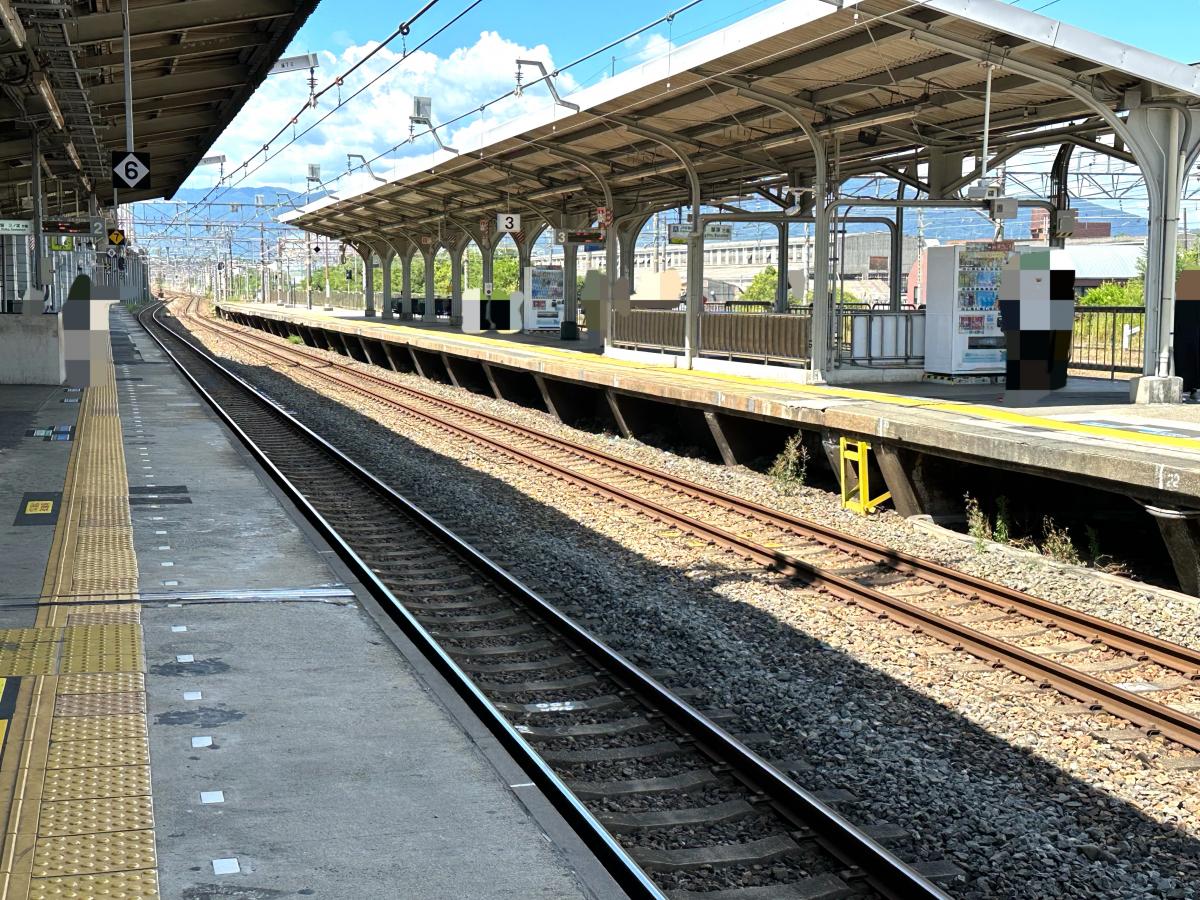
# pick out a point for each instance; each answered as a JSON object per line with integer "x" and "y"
{"x": 857, "y": 498}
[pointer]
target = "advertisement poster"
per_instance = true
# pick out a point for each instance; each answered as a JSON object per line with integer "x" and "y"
{"x": 544, "y": 299}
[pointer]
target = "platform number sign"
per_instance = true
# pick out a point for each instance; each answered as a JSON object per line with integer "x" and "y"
{"x": 508, "y": 222}
{"x": 130, "y": 170}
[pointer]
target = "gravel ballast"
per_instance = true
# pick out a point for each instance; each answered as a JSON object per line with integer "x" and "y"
{"x": 1010, "y": 783}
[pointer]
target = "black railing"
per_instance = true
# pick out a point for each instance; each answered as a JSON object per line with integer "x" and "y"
{"x": 1108, "y": 339}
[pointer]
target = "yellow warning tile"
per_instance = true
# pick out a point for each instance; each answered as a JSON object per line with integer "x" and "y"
{"x": 138, "y": 885}
{"x": 39, "y": 662}
{"x": 123, "y": 704}
{"x": 12, "y": 638}
{"x": 102, "y": 683}
{"x": 107, "y": 781}
{"x": 101, "y": 662}
{"x": 105, "y": 637}
{"x": 97, "y": 728}
{"x": 81, "y": 754}
{"x": 104, "y": 512}
{"x": 109, "y": 617}
{"x": 114, "y": 851}
{"x": 101, "y": 648}
{"x": 67, "y": 817}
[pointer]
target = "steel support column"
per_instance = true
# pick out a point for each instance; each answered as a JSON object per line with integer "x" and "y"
{"x": 1059, "y": 173}
{"x": 695, "y": 263}
{"x": 406, "y": 304}
{"x": 781, "y": 281}
{"x": 368, "y": 256}
{"x": 429, "y": 255}
{"x": 386, "y": 258}
{"x": 571, "y": 312}
{"x": 822, "y": 333}
{"x": 456, "y": 278}
{"x": 35, "y": 270}
{"x": 1175, "y": 135}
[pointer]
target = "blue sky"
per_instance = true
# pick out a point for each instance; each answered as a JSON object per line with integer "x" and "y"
{"x": 473, "y": 62}
{"x": 571, "y": 30}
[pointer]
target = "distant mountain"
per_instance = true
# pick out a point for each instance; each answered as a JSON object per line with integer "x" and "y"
{"x": 238, "y": 215}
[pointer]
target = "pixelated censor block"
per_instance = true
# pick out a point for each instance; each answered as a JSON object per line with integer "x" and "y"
{"x": 85, "y": 334}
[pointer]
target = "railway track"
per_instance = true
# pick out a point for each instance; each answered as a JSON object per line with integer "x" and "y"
{"x": 1096, "y": 662}
{"x": 695, "y": 813}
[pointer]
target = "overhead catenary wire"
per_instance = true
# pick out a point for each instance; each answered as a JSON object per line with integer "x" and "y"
{"x": 402, "y": 30}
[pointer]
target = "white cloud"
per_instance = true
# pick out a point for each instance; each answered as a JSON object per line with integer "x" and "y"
{"x": 377, "y": 119}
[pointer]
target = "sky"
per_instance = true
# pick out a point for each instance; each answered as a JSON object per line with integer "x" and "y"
{"x": 472, "y": 62}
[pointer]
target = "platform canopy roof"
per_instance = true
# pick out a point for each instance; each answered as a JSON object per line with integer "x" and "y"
{"x": 889, "y": 85}
{"x": 195, "y": 64}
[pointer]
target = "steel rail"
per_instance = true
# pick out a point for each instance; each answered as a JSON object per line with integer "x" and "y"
{"x": 1091, "y": 628}
{"x": 1156, "y": 718}
{"x": 888, "y": 874}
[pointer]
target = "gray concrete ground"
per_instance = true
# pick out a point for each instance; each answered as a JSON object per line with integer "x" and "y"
{"x": 28, "y": 465}
{"x": 347, "y": 768}
{"x": 224, "y": 530}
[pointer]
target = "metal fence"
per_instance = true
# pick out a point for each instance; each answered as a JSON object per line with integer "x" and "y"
{"x": 1108, "y": 339}
{"x": 729, "y": 335}
{"x": 880, "y": 337}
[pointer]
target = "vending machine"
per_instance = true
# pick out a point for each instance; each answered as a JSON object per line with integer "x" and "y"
{"x": 544, "y": 298}
{"x": 962, "y": 309}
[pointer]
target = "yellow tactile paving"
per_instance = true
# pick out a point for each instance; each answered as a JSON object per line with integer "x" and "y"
{"x": 137, "y": 885}
{"x": 102, "y": 781}
{"x": 697, "y": 377}
{"x": 97, "y": 728}
{"x": 102, "y": 683}
{"x": 109, "y": 851}
{"x": 128, "y": 751}
{"x": 77, "y": 781}
{"x": 126, "y": 703}
{"x": 67, "y": 817}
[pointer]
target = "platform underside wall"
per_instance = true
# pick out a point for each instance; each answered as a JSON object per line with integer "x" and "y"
{"x": 928, "y": 462}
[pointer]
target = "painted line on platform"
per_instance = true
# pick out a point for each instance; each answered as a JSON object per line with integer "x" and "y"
{"x": 1043, "y": 423}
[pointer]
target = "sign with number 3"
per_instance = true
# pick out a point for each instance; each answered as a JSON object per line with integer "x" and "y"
{"x": 510, "y": 222}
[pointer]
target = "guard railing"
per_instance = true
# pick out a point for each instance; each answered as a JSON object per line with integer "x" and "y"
{"x": 1108, "y": 339}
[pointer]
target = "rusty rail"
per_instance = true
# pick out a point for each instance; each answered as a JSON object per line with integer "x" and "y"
{"x": 1154, "y": 717}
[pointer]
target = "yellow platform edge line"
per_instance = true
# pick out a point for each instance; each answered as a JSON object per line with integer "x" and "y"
{"x": 96, "y": 467}
{"x": 815, "y": 390}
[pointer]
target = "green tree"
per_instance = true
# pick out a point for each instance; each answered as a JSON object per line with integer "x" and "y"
{"x": 762, "y": 286}
{"x": 1111, "y": 293}
{"x": 1132, "y": 293}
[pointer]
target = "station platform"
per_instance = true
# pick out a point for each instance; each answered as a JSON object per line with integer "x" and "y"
{"x": 195, "y": 698}
{"x": 1087, "y": 433}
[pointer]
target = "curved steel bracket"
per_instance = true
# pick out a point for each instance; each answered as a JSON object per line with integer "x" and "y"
{"x": 546, "y": 77}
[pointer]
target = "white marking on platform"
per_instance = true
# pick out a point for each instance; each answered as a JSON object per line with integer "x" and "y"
{"x": 227, "y": 866}
{"x": 193, "y": 695}
{"x": 212, "y": 796}
{"x": 185, "y": 657}
{"x": 201, "y": 742}
{"x": 178, "y": 628}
